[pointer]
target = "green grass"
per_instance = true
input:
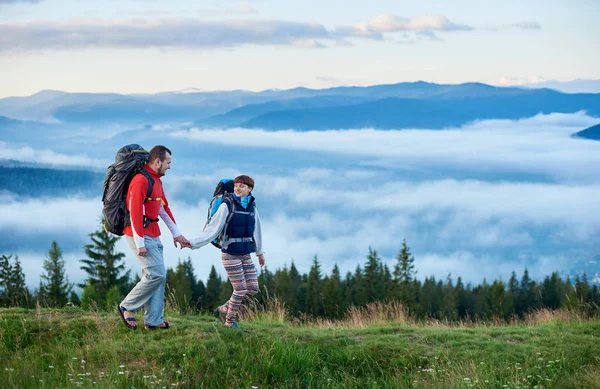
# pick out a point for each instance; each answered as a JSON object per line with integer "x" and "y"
{"x": 48, "y": 348}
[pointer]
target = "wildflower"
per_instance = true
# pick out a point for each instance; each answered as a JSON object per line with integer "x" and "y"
{"x": 184, "y": 355}
{"x": 178, "y": 371}
{"x": 83, "y": 361}
{"x": 481, "y": 363}
{"x": 467, "y": 379}
{"x": 121, "y": 372}
{"x": 121, "y": 366}
{"x": 74, "y": 358}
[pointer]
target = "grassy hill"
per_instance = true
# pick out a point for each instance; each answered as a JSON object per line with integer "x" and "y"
{"x": 375, "y": 347}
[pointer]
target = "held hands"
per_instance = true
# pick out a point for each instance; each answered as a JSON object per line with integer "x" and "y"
{"x": 182, "y": 241}
{"x": 261, "y": 260}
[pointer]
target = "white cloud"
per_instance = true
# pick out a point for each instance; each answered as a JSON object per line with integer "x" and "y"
{"x": 28, "y": 154}
{"x": 164, "y": 33}
{"x": 375, "y": 27}
{"x": 18, "y": 1}
{"x": 307, "y": 43}
{"x": 527, "y": 25}
{"x": 173, "y": 32}
{"x": 391, "y": 23}
{"x": 244, "y": 9}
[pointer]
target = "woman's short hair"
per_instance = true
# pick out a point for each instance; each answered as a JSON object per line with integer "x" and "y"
{"x": 243, "y": 179}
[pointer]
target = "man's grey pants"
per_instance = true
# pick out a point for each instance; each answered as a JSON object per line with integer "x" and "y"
{"x": 150, "y": 291}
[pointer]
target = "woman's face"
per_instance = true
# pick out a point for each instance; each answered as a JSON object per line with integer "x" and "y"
{"x": 241, "y": 190}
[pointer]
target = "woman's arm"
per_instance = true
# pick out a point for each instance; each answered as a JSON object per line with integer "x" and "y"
{"x": 212, "y": 229}
{"x": 257, "y": 233}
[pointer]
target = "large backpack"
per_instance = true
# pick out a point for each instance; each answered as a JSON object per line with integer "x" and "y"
{"x": 129, "y": 161}
{"x": 223, "y": 192}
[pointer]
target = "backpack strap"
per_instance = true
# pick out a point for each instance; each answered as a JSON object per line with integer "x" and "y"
{"x": 228, "y": 200}
{"x": 146, "y": 221}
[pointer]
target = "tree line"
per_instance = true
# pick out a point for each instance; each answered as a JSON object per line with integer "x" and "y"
{"x": 305, "y": 295}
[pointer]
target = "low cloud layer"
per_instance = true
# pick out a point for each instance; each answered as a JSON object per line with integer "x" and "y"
{"x": 477, "y": 202}
{"x": 47, "y": 157}
{"x": 541, "y": 145}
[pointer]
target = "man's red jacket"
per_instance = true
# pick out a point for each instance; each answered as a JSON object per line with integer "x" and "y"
{"x": 156, "y": 207}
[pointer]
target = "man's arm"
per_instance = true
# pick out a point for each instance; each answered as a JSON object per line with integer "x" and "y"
{"x": 167, "y": 216}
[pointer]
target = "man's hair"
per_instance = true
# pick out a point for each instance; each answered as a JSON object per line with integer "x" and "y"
{"x": 159, "y": 152}
{"x": 243, "y": 179}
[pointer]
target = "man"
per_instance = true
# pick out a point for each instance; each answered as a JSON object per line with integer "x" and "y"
{"x": 143, "y": 236}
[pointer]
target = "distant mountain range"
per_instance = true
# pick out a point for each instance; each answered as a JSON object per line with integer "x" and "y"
{"x": 395, "y": 106}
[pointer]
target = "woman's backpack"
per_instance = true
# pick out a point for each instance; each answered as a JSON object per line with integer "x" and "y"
{"x": 223, "y": 193}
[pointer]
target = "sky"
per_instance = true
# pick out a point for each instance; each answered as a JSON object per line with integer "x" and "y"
{"x": 150, "y": 46}
{"x": 477, "y": 201}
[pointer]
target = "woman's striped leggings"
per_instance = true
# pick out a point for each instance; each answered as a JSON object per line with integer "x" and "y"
{"x": 242, "y": 274}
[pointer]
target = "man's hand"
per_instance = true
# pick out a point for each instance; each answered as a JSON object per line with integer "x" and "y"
{"x": 182, "y": 241}
{"x": 261, "y": 260}
{"x": 141, "y": 252}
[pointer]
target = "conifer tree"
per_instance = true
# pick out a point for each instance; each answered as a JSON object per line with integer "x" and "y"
{"x": 404, "y": 275}
{"x": 104, "y": 266}
{"x": 179, "y": 286}
{"x": 482, "y": 301}
{"x": 496, "y": 297}
{"x": 528, "y": 299}
{"x": 374, "y": 283}
{"x": 333, "y": 303}
{"x": 512, "y": 294}
{"x": 298, "y": 304}
{"x": 266, "y": 282}
{"x": 430, "y": 303}
{"x": 465, "y": 305}
{"x": 13, "y": 291}
{"x": 355, "y": 289}
{"x": 284, "y": 289}
{"x": 551, "y": 291}
{"x": 197, "y": 287}
{"x": 55, "y": 288}
{"x": 314, "y": 298}
{"x": 213, "y": 290}
{"x": 449, "y": 300}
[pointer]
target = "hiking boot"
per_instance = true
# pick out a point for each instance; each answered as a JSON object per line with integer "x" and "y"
{"x": 220, "y": 314}
{"x": 236, "y": 327}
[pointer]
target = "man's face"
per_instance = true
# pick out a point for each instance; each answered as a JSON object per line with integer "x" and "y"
{"x": 163, "y": 166}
